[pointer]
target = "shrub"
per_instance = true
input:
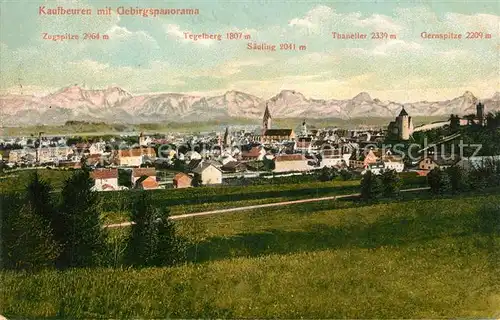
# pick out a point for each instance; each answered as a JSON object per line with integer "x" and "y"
{"x": 439, "y": 181}
{"x": 153, "y": 240}
{"x": 391, "y": 183}
{"x": 371, "y": 186}
{"x": 458, "y": 179}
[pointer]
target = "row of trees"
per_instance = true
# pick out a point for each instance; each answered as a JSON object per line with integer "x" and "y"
{"x": 456, "y": 180}
{"x": 453, "y": 179}
{"x": 37, "y": 231}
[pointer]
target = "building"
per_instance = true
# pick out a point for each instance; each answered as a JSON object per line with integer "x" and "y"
{"x": 269, "y": 135}
{"x": 437, "y": 161}
{"x": 402, "y": 128}
{"x": 332, "y": 158}
{"x": 144, "y": 178}
{"x": 234, "y": 166}
{"x": 19, "y": 155}
{"x": 375, "y": 168}
{"x": 54, "y": 154}
{"x": 144, "y": 141}
{"x": 291, "y": 162}
{"x": 255, "y": 154}
{"x": 105, "y": 179}
{"x": 182, "y": 180}
{"x": 227, "y": 138}
{"x": 304, "y": 144}
{"x": 393, "y": 163}
{"x": 362, "y": 160}
{"x": 266, "y": 120}
{"x": 208, "y": 174}
{"x": 135, "y": 157}
{"x": 480, "y": 113}
{"x": 97, "y": 148}
{"x": 278, "y": 135}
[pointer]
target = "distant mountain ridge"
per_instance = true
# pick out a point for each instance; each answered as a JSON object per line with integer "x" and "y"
{"x": 115, "y": 105}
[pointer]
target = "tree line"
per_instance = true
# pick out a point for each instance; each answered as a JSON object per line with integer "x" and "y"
{"x": 454, "y": 180}
{"x": 38, "y": 231}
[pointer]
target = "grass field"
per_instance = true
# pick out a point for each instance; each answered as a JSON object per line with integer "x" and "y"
{"x": 17, "y": 180}
{"x": 409, "y": 259}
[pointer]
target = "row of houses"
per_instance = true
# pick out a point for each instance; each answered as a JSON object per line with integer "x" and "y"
{"x": 140, "y": 178}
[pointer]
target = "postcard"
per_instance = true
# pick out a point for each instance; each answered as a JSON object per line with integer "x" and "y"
{"x": 249, "y": 159}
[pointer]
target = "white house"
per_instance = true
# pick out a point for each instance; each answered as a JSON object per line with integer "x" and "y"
{"x": 375, "y": 168}
{"x": 333, "y": 158}
{"x": 208, "y": 173}
{"x": 105, "y": 179}
{"x": 135, "y": 157}
{"x": 192, "y": 155}
{"x": 393, "y": 163}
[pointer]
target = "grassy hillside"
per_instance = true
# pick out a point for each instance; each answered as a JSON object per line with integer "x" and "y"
{"x": 413, "y": 259}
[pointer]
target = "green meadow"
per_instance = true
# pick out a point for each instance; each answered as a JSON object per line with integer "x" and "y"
{"x": 426, "y": 258}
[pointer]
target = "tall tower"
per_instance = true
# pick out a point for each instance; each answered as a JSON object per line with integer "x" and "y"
{"x": 266, "y": 121}
{"x": 405, "y": 125}
{"x": 304, "y": 128}
{"x": 227, "y": 138}
{"x": 480, "y": 113}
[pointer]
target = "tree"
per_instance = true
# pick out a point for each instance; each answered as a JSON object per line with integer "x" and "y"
{"x": 439, "y": 181}
{"x": 458, "y": 179}
{"x": 391, "y": 183}
{"x": 153, "y": 240}
{"x": 327, "y": 174}
{"x": 29, "y": 243}
{"x": 346, "y": 174}
{"x": 197, "y": 182}
{"x": 81, "y": 232}
{"x": 27, "y": 234}
{"x": 142, "y": 246}
{"x": 38, "y": 198}
{"x": 454, "y": 123}
{"x": 371, "y": 186}
{"x": 171, "y": 247}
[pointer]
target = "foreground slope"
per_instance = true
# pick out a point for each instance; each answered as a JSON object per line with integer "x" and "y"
{"x": 424, "y": 259}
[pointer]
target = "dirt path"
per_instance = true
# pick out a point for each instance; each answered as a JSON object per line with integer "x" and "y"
{"x": 258, "y": 206}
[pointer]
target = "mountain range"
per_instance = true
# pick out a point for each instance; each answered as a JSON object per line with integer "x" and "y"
{"x": 115, "y": 105}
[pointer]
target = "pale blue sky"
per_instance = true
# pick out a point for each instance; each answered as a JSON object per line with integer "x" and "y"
{"x": 151, "y": 54}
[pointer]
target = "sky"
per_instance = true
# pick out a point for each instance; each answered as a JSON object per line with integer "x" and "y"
{"x": 151, "y": 54}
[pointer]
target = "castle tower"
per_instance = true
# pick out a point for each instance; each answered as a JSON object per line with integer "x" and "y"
{"x": 404, "y": 124}
{"x": 266, "y": 121}
{"x": 480, "y": 113}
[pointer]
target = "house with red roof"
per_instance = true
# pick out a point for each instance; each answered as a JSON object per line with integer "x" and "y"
{"x": 144, "y": 178}
{"x": 105, "y": 179}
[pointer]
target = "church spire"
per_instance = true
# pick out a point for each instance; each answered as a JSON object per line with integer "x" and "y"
{"x": 266, "y": 121}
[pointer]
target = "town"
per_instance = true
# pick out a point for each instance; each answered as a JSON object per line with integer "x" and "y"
{"x": 213, "y": 158}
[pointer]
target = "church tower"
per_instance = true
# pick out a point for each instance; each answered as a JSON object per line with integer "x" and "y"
{"x": 266, "y": 121}
{"x": 480, "y": 113}
{"x": 227, "y": 138}
{"x": 304, "y": 128}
